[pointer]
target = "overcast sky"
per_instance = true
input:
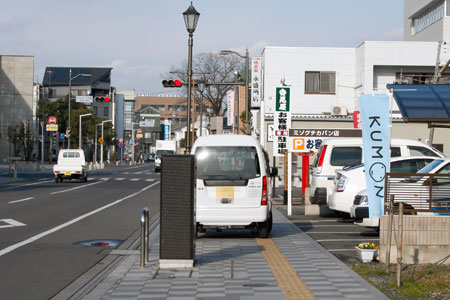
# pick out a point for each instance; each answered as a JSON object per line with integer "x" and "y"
{"x": 141, "y": 39}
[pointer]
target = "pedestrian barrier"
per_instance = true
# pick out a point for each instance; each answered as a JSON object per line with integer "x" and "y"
{"x": 144, "y": 236}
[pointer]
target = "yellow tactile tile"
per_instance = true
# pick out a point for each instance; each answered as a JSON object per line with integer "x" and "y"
{"x": 290, "y": 283}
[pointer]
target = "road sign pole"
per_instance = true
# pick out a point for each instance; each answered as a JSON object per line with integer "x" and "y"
{"x": 101, "y": 150}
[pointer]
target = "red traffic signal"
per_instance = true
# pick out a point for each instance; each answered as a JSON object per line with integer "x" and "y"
{"x": 102, "y": 99}
{"x": 172, "y": 83}
{"x": 107, "y": 99}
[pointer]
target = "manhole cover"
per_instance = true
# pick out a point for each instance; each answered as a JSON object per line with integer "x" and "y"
{"x": 99, "y": 243}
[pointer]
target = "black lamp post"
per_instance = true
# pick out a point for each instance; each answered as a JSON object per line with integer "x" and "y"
{"x": 190, "y": 19}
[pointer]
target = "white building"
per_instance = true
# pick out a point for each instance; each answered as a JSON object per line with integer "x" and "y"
{"x": 326, "y": 83}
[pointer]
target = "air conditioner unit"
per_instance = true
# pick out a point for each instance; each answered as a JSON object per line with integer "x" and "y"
{"x": 338, "y": 111}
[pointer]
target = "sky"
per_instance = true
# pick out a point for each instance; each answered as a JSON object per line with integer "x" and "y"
{"x": 142, "y": 39}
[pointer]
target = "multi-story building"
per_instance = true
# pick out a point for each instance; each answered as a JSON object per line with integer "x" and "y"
{"x": 426, "y": 20}
{"x": 326, "y": 83}
{"x": 16, "y": 96}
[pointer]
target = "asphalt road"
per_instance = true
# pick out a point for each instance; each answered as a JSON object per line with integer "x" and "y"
{"x": 40, "y": 221}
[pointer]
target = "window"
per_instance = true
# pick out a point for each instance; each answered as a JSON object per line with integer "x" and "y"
{"x": 409, "y": 166}
{"x": 395, "y": 151}
{"x": 419, "y": 151}
{"x": 428, "y": 18}
{"x": 346, "y": 156}
{"x": 71, "y": 154}
{"x": 320, "y": 82}
{"x": 105, "y": 111}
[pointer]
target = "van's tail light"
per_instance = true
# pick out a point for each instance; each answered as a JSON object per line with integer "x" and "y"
{"x": 57, "y": 172}
{"x": 264, "y": 192}
{"x": 78, "y": 172}
{"x": 322, "y": 155}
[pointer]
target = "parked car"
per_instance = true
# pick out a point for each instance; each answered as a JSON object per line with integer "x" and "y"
{"x": 349, "y": 181}
{"x": 71, "y": 165}
{"x": 413, "y": 192}
{"x": 336, "y": 153}
{"x": 233, "y": 184}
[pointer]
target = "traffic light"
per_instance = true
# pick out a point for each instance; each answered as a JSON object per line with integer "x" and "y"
{"x": 171, "y": 83}
{"x": 102, "y": 98}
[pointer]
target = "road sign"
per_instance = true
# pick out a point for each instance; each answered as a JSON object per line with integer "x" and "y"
{"x": 61, "y": 136}
{"x": 150, "y": 123}
{"x": 52, "y": 127}
{"x": 131, "y": 142}
{"x": 120, "y": 145}
{"x": 84, "y": 99}
{"x": 139, "y": 131}
{"x": 101, "y": 140}
{"x": 52, "y": 120}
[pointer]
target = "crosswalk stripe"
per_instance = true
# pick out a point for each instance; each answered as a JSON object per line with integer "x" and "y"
{"x": 120, "y": 178}
{"x": 150, "y": 179}
{"x": 135, "y": 179}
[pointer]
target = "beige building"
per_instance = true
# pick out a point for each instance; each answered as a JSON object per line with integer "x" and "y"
{"x": 16, "y": 96}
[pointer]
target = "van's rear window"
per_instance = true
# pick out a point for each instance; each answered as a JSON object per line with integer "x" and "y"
{"x": 71, "y": 154}
{"x": 346, "y": 156}
{"x": 227, "y": 163}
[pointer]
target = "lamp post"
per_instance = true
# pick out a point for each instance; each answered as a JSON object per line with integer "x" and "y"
{"x": 79, "y": 131}
{"x": 247, "y": 99}
{"x": 101, "y": 145}
{"x": 95, "y": 150}
{"x": 191, "y": 17}
{"x": 201, "y": 87}
{"x": 70, "y": 96}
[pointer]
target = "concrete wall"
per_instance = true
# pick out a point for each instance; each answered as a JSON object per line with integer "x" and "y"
{"x": 426, "y": 239}
{"x": 16, "y": 95}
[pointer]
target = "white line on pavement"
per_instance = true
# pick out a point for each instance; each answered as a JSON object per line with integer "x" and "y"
{"x": 135, "y": 179}
{"x": 150, "y": 180}
{"x": 18, "y": 186}
{"x": 50, "y": 231}
{"x": 119, "y": 179}
{"x": 78, "y": 187}
{"x": 11, "y": 223}
{"x": 15, "y": 201}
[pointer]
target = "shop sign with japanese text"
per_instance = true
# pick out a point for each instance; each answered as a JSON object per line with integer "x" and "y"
{"x": 282, "y": 120}
{"x": 256, "y": 83}
{"x": 309, "y": 140}
{"x": 230, "y": 108}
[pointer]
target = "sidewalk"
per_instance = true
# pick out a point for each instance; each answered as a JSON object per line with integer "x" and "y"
{"x": 230, "y": 267}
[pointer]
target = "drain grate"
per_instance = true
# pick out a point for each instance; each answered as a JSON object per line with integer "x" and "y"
{"x": 100, "y": 243}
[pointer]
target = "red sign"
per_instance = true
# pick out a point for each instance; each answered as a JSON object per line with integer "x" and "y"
{"x": 281, "y": 133}
{"x": 53, "y": 120}
{"x": 139, "y": 131}
{"x": 356, "y": 119}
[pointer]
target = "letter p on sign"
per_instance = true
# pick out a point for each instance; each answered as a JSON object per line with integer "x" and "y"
{"x": 298, "y": 144}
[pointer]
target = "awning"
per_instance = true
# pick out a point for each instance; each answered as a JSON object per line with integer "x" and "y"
{"x": 423, "y": 103}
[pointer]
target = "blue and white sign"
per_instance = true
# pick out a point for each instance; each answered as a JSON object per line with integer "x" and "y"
{"x": 167, "y": 132}
{"x": 376, "y": 135}
{"x": 61, "y": 135}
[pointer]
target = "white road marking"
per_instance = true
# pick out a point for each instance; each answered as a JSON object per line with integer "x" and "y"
{"x": 105, "y": 178}
{"x": 126, "y": 173}
{"x": 336, "y": 232}
{"x": 314, "y": 226}
{"x": 119, "y": 179}
{"x": 50, "y": 231}
{"x": 150, "y": 180}
{"x": 347, "y": 240}
{"x": 78, "y": 187}
{"x": 18, "y": 186}
{"x": 26, "y": 199}
{"x": 11, "y": 223}
{"x": 135, "y": 179}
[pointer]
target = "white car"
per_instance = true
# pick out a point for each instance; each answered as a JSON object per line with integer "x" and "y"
{"x": 233, "y": 187}
{"x": 414, "y": 192}
{"x": 337, "y": 153}
{"x": 348, "y": 182}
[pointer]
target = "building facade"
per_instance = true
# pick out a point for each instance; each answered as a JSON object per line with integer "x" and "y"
{"x": 16, "y": 96}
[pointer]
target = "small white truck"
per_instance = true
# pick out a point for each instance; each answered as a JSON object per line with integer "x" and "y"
{"x": 71, "y": 165}
{"x": 163, "y": 148}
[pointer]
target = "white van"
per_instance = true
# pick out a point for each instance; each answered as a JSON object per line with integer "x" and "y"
{"x": 337, "y": 153}
{"x": 233, "y": 187}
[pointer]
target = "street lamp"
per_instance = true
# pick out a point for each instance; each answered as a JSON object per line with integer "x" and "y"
{"x": 101, "y": 145}
{"x": 70, "y": 96}
{"x": 247, "y": 99}
{"x": 79, "y": 131}
{"x": 191, "y": 17}
{"x": 201, "y": 87}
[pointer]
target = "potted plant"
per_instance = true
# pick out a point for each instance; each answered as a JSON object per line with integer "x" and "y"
{"x": 366, "y": 251}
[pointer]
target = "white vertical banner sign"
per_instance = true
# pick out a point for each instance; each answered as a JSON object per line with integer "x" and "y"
{"x": 230, "y": 108}
{"x": 282, "y": 121}
{"x": 376, "y": 135}
{"x": 256, "y": 82}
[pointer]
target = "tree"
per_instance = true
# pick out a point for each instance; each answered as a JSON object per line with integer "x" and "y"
{"x": 210, "y": 67}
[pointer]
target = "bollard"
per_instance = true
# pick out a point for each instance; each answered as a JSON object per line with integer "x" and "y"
{"x": 144, "y": 236}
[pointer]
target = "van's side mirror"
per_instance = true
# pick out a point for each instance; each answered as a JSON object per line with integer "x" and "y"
{"x": 274, "y": 172}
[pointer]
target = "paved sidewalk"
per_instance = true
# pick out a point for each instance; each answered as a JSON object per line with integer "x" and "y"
{"x": 231, "y": 267}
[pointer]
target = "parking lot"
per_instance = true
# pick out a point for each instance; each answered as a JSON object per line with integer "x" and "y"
{"x": 336, "y": 234}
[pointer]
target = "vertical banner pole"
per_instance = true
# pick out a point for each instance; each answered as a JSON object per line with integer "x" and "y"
{"x": 289, "y": 160}
{"x": 286, "y": 178}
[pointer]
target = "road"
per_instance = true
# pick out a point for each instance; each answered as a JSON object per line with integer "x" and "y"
{"x": 40, "y": 221}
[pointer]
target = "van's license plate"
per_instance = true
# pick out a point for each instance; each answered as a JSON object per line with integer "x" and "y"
{"x": 67, "y": 174}
{"x": 226, "y": 200}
